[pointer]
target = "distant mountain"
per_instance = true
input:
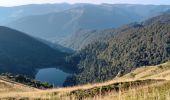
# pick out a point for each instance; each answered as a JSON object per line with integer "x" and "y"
{"x": 57, "y": 46}
{"x": 80, "y": 39}
{"x": 56, "y": 26}
{"x": 9, "y": 14}
{"x": 147, "y": 43}
{"x": 21, "y": 54}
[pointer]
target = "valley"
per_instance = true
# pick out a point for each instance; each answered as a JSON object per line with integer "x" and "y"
{"x": 23, "y": 54}
{"x": 85, "y": 52}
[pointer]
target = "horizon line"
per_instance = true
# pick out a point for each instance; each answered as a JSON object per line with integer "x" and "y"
{"x": 85, "y": 3}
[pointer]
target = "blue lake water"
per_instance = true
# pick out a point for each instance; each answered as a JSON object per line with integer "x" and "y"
{"x": 52, "y": 75}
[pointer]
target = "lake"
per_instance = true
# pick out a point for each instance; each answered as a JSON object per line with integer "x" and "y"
{"x": 52, "y": 75}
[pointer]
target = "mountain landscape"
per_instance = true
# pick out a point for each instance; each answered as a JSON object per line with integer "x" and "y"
{"x": 55, "y": 26}
{"x": 85, "y": 52}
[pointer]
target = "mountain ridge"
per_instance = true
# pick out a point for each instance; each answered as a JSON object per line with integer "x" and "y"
{"x": 55, "y": 26}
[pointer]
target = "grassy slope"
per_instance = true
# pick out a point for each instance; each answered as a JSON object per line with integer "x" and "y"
{"x": 146, "y": 82}
{"x": 8, "y": 86}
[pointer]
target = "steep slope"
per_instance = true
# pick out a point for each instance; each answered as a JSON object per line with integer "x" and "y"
{"x": 143, "y": 44}
{"x": 21, "y": 53}
{"x": 55, "y": 26}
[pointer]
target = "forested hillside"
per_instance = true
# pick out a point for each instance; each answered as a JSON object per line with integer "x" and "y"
{"x": 20, "y": 53}
{"x": 147, "y": 43}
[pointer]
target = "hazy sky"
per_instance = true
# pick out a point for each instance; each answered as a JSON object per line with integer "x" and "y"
{"x": 23, "y": 2}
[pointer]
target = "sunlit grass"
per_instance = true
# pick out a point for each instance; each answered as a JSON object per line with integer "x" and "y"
{"x": 146, "y": 83}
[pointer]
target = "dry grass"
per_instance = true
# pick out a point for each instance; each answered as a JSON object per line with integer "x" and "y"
{"x": 159, "y": 91}
{"x": 155, "y": 91}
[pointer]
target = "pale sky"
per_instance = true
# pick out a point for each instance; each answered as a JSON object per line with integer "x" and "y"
{"x": 24, "y": 2}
